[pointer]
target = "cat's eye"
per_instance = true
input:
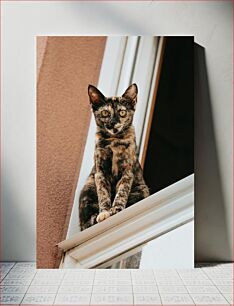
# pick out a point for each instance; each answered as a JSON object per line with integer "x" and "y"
{"x": 122, "y": 113}
{"x": 105, "y": 113}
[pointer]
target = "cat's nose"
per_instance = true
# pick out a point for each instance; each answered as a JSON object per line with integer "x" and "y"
{"x": 114, "y": 121}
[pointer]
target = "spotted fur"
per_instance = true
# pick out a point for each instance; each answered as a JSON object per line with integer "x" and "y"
{"x": 116, "y": 180}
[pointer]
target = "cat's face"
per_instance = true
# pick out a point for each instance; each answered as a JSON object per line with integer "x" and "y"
{"x": 114, "y": 115}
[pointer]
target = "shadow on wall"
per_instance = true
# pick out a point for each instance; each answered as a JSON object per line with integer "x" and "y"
{"x": 211, "y": 232}
{"x": 107, "y": 15}
{"x": 15, "y": 218}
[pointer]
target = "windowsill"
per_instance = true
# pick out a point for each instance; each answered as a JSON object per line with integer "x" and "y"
{"x": 146, "y": 220}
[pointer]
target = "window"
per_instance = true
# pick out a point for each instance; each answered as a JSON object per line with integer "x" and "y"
{"x": 126, "y": 60}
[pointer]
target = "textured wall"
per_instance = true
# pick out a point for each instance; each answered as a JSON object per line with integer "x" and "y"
{"x": 63, "y": 114}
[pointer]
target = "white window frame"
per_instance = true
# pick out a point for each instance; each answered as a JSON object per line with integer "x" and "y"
{"x": 126, "y": 232}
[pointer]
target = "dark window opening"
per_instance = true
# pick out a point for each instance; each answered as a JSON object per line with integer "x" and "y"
{"x": 170, "y": 152}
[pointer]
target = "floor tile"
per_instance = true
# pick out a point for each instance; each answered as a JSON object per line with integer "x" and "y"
{"x": 3, "y": 275}
{"x": 26, "y": 264}
{"x": 4, "y": 270}
{"x": 82, "y": 271}
{"x": 197, "y": 282}
{"x": 111, "y": 299}
{"x": 72, "y": 299}
{"x": 147, "y": 299}
{"x": 6, "y": 264}
{"x": 49, "y": 276}
{"x": 26, "y": 269}
{"x": 13, "y": 289}
{"x": 145, "y": 289}
{"x": 166, "y": 274}
{"x": 169, "y": 282}
{"x": 11, "y": 299}
{"x": 220, "y": 276}
{"x": 112, "y": 289}
{"x": 71, "y": 281}
{"x": 38, "y": 298}
{"x": 189, "y": 271}
{"x": 165, "y": 271}
{"x": 112, "y": 273}
{"x": 110, "y": 278}
{"x": 209, "y": 299}
{"x": 51, "y": 271}
{"x": 114, "y": 270}
{"x": 167, "y": 277}
{"x": 211, "y": 268}
{"x": 227, "y": 265}
{"x": 66, "y": 289}
{"x": 144, "y": 282}
{"x": 202, "y": 289}
{"x": 16, "y": 282}
{"x": 141, "y": 272}
{"x": 172, "y": 289}
{"x": 78, "y": 277}
{"x": 206, "y": 285}
{"x": 229, "y": 298}
{"x": 216, "y": 273}
{"x": 22, "y": 272}
{"x": 176, "y": 299}
{"x": 113, "y": 282}
{"x": 225, "y": 289}
{"x": 223, "y": 282}
{"x": 191, "y": 276}
{"x": 45, "y": 282}
{"x": 43, "y": 289}
{"x": 19, "y": 276}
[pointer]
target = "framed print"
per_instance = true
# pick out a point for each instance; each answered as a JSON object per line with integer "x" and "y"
{"x": 115, "y": 152}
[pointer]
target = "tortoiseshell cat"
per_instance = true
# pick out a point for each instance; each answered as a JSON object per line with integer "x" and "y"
{"x": 116, "y": 180}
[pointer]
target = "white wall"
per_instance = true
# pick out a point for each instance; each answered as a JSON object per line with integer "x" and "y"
{"x": 209, "y": 21}
{"x": 173, "y": 250}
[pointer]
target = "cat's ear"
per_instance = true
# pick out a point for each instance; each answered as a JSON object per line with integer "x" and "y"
{"x": 95, "y": 96}
{"x": 131, "y": 93}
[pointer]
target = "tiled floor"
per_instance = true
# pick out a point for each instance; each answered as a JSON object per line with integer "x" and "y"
{"x": 208, "y": 284}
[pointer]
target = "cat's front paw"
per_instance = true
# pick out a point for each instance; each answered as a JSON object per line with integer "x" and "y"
{"x": 115, "y": 209}
{"x": 102, "y": 216}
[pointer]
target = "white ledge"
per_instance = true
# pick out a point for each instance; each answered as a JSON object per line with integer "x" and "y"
{"x": 134, "y": 226}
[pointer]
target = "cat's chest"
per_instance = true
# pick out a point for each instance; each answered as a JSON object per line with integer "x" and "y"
{"x": 114, "y": 157}
{"x": 120, "y": 154}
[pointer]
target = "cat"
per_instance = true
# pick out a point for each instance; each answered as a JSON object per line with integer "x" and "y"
{"x": 116, "y": 180}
